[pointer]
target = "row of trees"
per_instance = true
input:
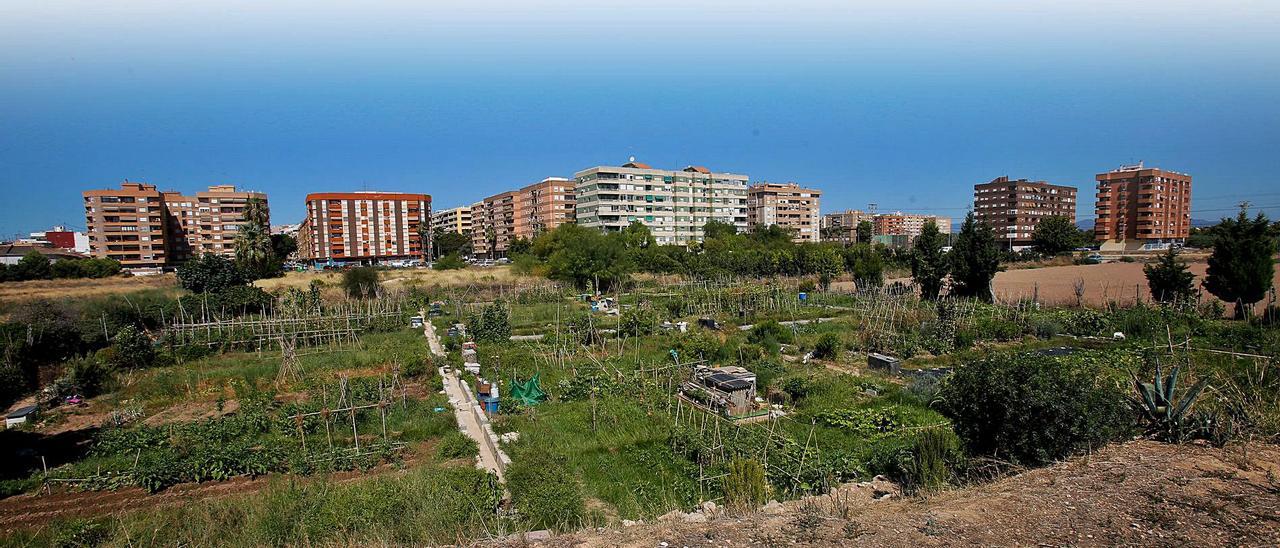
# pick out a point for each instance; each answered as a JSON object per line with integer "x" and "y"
{"x": 1241, "y": 268}
{"x": 36, "y": 266}
{"x": 589, "y": 258}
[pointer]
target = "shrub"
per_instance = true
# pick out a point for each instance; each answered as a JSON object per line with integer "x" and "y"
{"x": 456, "y": 445}
{"x": 361, "y": 283}
{"x": 745, "y": 486}
{"x": 131, "y": 349}
{"x": 828, "y": 346}
{"x": 931, "y": 460}
{"x": 1032, "y": 409}
{"x": 638, "y": 321}
{"x": 493, "y": 324}
{"x": 1169, "y": 279}
{"x": 547, "y": 495}
{"x": 89, "y": 376}
{"x": 211, "y": 273}
{"x": 452, "y": 261}
{"x": 770, "y": 334}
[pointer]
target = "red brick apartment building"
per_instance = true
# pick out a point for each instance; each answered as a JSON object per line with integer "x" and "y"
{"x": 502, "y": 218}
{"x": 1014, "y": 208}
{"x": 363, "y": 227}
{"x": 1138, "y": 206}
{"x": 789, "y": 206}
{"x": 148, "y": 229}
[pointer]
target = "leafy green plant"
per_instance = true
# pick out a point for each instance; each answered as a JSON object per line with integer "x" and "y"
{"x": 828, "y": 346}
{"x": 1167, "y": 414}
{"x": 456, "y": 445}
{"x": 745, "y": 485}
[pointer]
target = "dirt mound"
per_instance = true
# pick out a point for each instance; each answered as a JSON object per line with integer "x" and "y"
{"x": 1139, "y": 493}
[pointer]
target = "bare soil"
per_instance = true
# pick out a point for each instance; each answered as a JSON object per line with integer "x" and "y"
{"x": 1134, "y": 494}
{"x": 1103, "y": 283}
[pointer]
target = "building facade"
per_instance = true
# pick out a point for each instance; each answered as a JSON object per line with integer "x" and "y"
{"x": 789, "y": 206}
{"x": 674, "y": 205}
{"x": 843, "y": 226}
{"x": 207, "y": 222}
{"x": 129, "y": 225}
{"x": 363, "y": 227}
{"x": 503, "y": 218}
{"x": 907, "y": 224}
{"x": 456, "y": 220}
{"x": 1139, "y": 206}
{"x": 1013, "y": 208}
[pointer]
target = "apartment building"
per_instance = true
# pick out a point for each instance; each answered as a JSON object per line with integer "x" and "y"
{"x": 129, "y": 225}
{"x": 493, "y": 222}
{"x": 1014, "y": 208}
{"x": 673, "y": 204}
{"x": 454, "y": 219}
{"x": 1138, "y": 206}
{"x": 788, "y": 205}
{"x": 909, "y": 225}
{"x": 843, "y": 226}
{"x": 543, "y": 206}
{"x": 207, "y": 222}
{"x": 147, "y": 229}
{"x": 363, "y": 227}
{"x": 502, "y": 218}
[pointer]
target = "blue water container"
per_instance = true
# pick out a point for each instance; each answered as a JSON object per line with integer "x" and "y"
{"x": 804, "y": 296}
{"x": 490, "y": 404}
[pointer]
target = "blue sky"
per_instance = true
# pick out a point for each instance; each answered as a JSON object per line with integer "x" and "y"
{"x": 905, "y": 104}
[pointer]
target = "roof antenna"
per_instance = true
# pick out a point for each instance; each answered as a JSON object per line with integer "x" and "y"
{"x": 632, "y": 159}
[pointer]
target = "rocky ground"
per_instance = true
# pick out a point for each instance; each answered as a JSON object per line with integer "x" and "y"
{"x": 1138, "y": 493}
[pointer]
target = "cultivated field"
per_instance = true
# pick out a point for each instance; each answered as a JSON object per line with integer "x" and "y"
{"x": 1103, "y": 283}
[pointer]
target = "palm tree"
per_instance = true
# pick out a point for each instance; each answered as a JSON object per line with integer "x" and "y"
{"x": 253, "y": 249}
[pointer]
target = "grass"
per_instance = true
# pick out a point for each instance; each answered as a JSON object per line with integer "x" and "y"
{"x": 14, "y": 292}
{"x": 427, "y": 505}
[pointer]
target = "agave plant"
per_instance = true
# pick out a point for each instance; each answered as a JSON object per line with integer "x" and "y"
{"x": 1167, "y": 414}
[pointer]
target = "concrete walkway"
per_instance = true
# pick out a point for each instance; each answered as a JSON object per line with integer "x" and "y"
{"x": 471, "y": 418}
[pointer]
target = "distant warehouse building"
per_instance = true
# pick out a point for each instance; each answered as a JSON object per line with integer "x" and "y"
{"x": 789, "y": 206}
{"x": 1014, "y": 208}
{"x": 363, "y": 227}
{"x": 674, "y": 205}
{"x": 1141, "y": 207}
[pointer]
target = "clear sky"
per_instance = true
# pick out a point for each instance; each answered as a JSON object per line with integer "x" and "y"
{"x": 903, "y": 103}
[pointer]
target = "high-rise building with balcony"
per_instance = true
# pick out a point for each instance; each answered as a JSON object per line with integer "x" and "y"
{"x": 363, "y": 227}
{"x": 454, "y": 219}
{"x": 789, "y": 206}
{"x": 1014, "y": 208}
{"x": 129, "y": 225}
{"x": 908, "y": 225}
{"x": 1140, "y": 206}
{"x": 674, "y": 205}
{"x": 520, "y": 214}
{"x": 147, "y": 229}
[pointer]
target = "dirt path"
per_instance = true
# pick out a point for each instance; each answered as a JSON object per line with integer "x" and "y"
{"x": 1132, "y": 494}
{"x": 467, "y": 411}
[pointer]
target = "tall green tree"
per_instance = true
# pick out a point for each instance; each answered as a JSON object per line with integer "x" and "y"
{"x": 32, "y": 266}
{"x": 1169, "y": 279}
{"x": 1055, "y": 235}
{"x": 975, "y": 260}
{"x": 583, "y": 256}
{"x": 448, "y": 242}
{"x": 253, "y": 246}
{"x": 864, "y": 232}
{"x": 1241, "y": 266}
{"x": 929, "y": 265}
{"x": 866, "y": 264}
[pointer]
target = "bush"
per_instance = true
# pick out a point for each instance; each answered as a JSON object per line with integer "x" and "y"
{"x": 1032, "y": 409}
{"x": 770, "y": 334}
{"x": 361, "y": 282}
{"x": 547, "y": 495}
{"x": 492, "y": 325}
{"x": 89, "y": 376}
{"x": 456, "y": 445}
{"x": 452, "y": 261}
{"x": 131, "y": 349}
{"x": 211, "y": 273}
{"x": 828, "y": 346}
{"x": 930, "y": 461}
{"x": 638, "y": 322}
{"x": 744, "y": 485}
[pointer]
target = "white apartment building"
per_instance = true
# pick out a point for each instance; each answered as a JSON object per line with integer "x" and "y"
{"x": 673, "y": 204}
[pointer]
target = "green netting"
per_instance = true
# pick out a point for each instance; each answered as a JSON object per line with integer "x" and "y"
{"x": 528, "y": 392}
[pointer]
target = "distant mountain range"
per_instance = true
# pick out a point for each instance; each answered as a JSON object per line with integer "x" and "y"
{"x": 1087, "y": 224}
